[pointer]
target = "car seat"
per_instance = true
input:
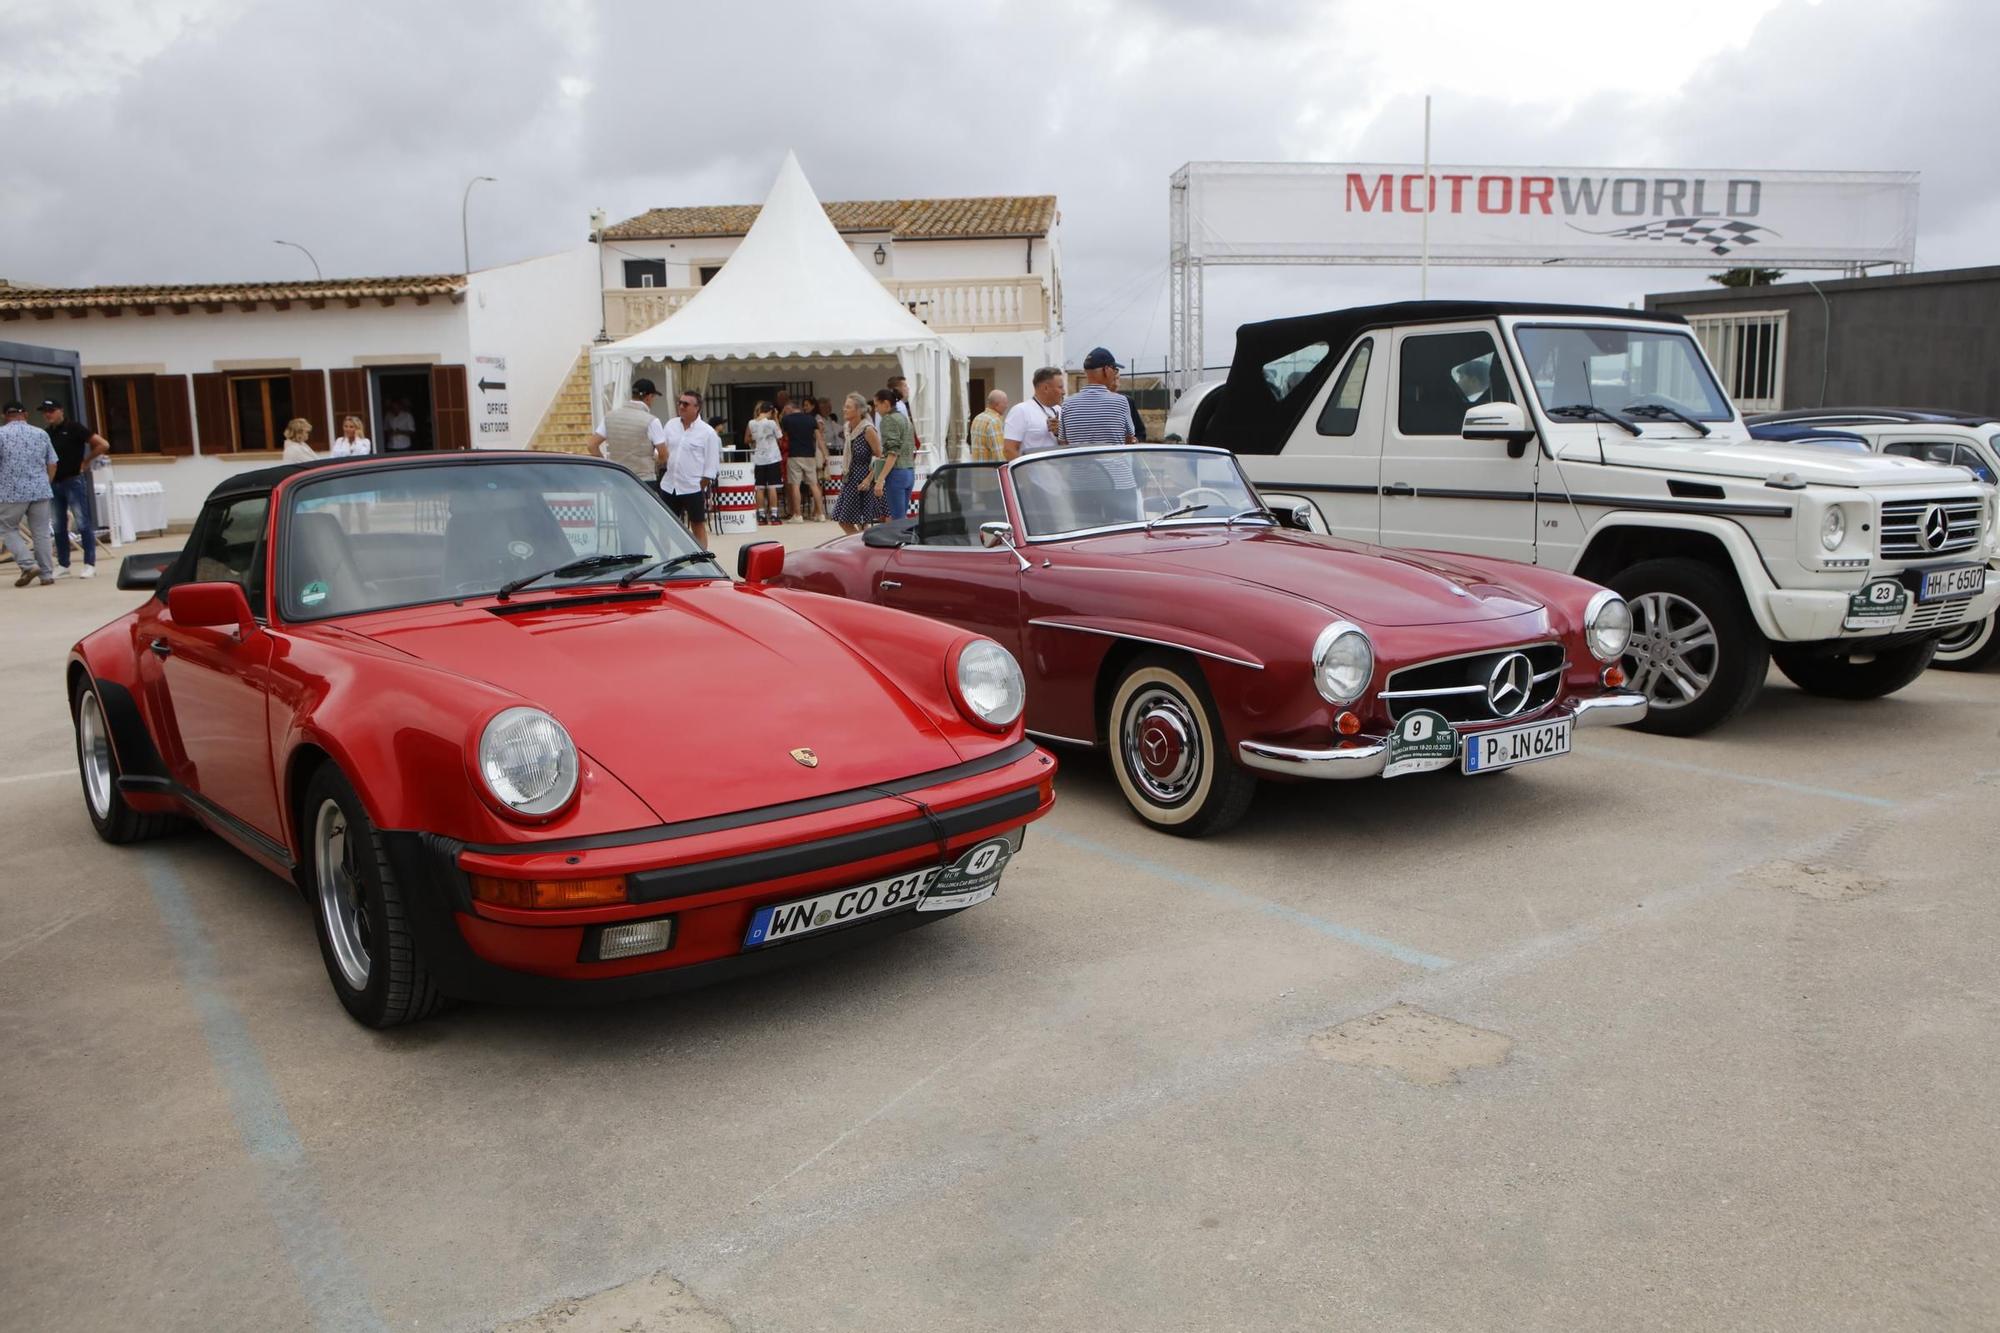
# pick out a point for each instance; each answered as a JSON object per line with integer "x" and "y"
{"x": 321, "y": 571}
{"x": 493, "y": 536}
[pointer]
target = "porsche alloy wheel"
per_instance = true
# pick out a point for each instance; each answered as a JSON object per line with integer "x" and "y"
{"x": 1169, "y": 752}
{"x": 97, "y": 765}
{"x": 364, "y": 934}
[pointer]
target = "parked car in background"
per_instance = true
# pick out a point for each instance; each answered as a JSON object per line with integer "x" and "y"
{"x": 1600, "y": 442}
{"x": 1968, "y": 440}
{"x": 429, "y": 690}
{"x": 1163, "y": 614}
{"x": 1785, "y": 432}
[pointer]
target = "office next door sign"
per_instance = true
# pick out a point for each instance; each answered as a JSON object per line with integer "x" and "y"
{"x": 489, "y": 402}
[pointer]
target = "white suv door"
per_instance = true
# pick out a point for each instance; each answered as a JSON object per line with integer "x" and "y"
{"x": 1334, "y": 455}
{"x": 1439, "y": 490}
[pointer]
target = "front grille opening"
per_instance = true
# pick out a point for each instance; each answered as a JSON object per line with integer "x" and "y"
{"x": 1455, "y": 687}
{"x": 1903, "y": 525}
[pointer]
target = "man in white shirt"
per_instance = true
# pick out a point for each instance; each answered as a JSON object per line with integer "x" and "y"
{"x": 693, "y": 458}
{"x": 402, "y": 426}
{"x": 1031, "y": 425}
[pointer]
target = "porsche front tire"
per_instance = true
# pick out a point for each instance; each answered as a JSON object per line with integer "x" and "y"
{"x": 1169, "y": 751}
{"x": 359, "y": 911}
{"x": 97, "y": 764}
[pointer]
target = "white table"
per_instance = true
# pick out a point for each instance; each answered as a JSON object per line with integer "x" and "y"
{"x": 126, "y": 508}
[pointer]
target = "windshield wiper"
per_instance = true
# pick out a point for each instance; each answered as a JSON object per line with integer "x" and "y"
{"x": 588, "y": 564}
{"x": 1659, "y": 410}
{"x": 1174, "y": 513}
{"x": 1255, "y": 511}
{"x": 666, "y": 566}
{"x": 1588, "y": 412}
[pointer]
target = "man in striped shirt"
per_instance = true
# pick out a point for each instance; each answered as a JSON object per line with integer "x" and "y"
{"x": 1097, "y": 414}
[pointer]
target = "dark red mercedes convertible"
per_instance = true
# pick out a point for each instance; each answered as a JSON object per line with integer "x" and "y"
{"x": 515, "y": 737}
{"x": 1163, "y": 612}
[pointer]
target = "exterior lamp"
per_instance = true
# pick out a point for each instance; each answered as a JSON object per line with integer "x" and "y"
{"x": 881, "y": 255}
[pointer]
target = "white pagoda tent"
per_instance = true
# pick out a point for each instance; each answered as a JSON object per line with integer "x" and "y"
{"x": 794, "y": 297}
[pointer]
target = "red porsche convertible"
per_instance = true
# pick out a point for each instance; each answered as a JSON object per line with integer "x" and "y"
{"x": 514, "y": 737}
{"x": 1164, "y": 612}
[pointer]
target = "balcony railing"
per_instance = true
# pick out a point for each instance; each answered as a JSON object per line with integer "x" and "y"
{"x": 949, "y": 305}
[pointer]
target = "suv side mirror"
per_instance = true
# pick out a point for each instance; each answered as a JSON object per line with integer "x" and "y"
{"x": 138, "y": 572}
{"x": 761, "y": 562}
{"x": 1499, "y": 421}
{"x": 211, "y": 605}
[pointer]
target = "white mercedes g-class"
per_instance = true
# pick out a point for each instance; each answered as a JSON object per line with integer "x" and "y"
{"x": 1599, "y": 441}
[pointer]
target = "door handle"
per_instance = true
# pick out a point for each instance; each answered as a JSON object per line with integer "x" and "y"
{"x": 161, "y": 648}
{"x": 1399, "y": 488}
{"x": 886, "y": 584}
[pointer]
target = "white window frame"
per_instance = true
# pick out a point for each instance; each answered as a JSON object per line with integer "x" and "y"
{"x": 1722, "y": 338}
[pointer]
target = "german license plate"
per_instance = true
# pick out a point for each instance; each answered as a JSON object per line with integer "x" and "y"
{"x": 968, "y": 880}
{"x": 1486, "y": 751}
{"x": 1958, "y": 581}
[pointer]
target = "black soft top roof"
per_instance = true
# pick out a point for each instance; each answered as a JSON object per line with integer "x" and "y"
{"x": 259, "y": 480}
{"x": 1251, "y": 419}
{"x": 1862, "y": 416}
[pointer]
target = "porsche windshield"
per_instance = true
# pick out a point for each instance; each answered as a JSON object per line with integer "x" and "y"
{"x": 1617, "y": 369}
{"x": 1064, "y": 492}
{"x": 366, "y": 540}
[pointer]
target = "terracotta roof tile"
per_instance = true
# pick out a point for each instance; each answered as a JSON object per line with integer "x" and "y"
{"x": 903, "y": 219}
{"x": 19, "y": 299}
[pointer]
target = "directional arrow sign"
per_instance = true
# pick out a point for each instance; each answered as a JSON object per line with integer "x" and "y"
{"x": 486, "y": 385}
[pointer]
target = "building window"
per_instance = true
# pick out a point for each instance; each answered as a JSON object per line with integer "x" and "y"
{"x": 705, "y": 273}
{"x": 125, "y": 413}
{"x": 1748, "y": 351}
{"x": 645, "y": 273}
{"x": 263, "y": 404}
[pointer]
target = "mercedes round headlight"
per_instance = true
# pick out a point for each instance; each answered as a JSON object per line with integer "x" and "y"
{"x": 1343, "y": 662}
{"x": 527, "y": 761}
{"x": 1832, "y": 528}
{"x": 990, "y": 688}
{"x": 1607, "y": 626}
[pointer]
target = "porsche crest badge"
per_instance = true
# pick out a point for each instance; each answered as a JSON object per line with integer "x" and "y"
{"x": 805, "y": 756}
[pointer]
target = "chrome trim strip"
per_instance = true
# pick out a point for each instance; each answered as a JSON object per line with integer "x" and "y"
{"x": 1061, "y": 740}
{"x": 1479, "y": 652}
{"x": 1611, "y": 710}
{"x": 1141, "y": 638}
{"x": 1432, "y": 694}
{"x": 1356, "y": 761}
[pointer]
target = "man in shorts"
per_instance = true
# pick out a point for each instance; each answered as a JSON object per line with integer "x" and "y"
{"x": 694, "y": 456}
{"x": 806, "y": 451}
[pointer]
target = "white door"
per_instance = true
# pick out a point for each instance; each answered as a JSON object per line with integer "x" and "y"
{"x": 1334, "y": 454}
{"x": 1441, "y": 491}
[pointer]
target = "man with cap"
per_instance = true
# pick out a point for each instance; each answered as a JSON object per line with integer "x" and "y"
{"x": 1098, "y": 414}
{"x": 27, "y": 466}
{"x": 77, "y": 447}
{"x": 633, "y": 437}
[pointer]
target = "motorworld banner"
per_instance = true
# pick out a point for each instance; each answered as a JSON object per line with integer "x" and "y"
{"x": 1248, "y": 212}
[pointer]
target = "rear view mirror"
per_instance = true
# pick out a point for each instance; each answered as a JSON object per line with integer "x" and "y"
{"x": 1505, "y": 422}
{"x": 760, "y": 562}
{"x": 138, "y": 572}
{"x": 212, "y": 605}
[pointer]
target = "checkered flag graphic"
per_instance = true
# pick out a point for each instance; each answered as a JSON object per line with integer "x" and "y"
{"x": 1717, "y": 235}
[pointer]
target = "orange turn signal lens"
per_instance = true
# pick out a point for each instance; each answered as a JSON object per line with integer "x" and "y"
{"x": 1347, "y": 724}
{"x": 1614, "y": 676}
{"x": 548, "y": 892}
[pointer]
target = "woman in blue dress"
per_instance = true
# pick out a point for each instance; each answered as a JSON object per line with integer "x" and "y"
{"x": 858, "y": 505}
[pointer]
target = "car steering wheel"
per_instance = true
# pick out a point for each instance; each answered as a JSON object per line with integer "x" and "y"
{"x": 1186, "y": 497}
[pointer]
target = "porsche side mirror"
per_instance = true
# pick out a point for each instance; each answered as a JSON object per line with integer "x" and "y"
{"x": 138, "y": 572}
{"x": 760, "y": 562}
{"x": 996, "y": 534}
{"x": 1504, "y": 422}
{"x": 213, "y": 605}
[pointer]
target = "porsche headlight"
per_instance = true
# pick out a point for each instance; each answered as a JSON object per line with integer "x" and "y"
{"x": 528, "y": 761}
{"x": 990, "y": 687}
{"x": 1832, "y": 528}
{"x": 1343, "y": 662}
{"x": 1607, "y": 626}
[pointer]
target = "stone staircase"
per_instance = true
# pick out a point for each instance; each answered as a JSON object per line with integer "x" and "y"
{"x": 565, "y": 427}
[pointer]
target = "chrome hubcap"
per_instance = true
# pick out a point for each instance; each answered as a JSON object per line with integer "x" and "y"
{"x": 1162, "y": 746}
{"x": 1674, "y": 651}
{"x": 341, "y": 903}
{"x": 93, "y": 748}
{"x": 1965, "y": 637}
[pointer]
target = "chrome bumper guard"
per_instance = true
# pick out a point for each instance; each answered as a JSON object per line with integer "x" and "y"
{"x": 1367, "y": 758}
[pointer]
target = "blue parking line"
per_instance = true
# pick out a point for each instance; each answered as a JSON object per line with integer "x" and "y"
{"x": 1623, "y": 756}
{"x": 331, "y": 1287}
{"x": 1228, "y": 893}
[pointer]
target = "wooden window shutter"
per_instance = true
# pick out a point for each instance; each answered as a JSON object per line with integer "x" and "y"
{"x": 173, "y": 417}
{"x": 350, "y": 399}
{"x": 213, "y": 420}
{"x": 450, "y": 405}
{"x": 309, "y": 401}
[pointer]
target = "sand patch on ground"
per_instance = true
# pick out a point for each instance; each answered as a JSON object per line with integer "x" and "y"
{"x": 656, "y": 1304}
{"x": 1413, "y": 1044}
{"x": 1811, "y": 879}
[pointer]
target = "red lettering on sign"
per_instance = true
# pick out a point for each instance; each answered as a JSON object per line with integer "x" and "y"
{"x": 1412, "y": 206}
{"x": 1383, "y": 196}
{"x": 1537, "y": 190}
{"x": 1457, "y": 184}
{"x": 1487, "y": 201}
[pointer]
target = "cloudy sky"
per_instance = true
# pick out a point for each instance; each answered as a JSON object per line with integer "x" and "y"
{"x": 173, "y": 140}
